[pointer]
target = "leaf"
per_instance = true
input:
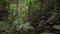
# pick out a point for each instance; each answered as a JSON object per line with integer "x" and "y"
{"x": 46, "y": 33}
{"x": 25, "y": 26}
{"x": 56, "y": 27}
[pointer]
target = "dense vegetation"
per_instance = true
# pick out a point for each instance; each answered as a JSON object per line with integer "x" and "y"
{"x": 29, "y": 17}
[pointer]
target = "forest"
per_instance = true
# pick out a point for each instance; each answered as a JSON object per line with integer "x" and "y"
{"x": 29, "y": 16}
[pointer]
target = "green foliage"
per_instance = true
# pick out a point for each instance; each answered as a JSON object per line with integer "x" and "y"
{"x": 25, "y": 27}
{"x": 57, "y": 27}
{"x": 46, "y": 33}
{"x": 29, "y": 16}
